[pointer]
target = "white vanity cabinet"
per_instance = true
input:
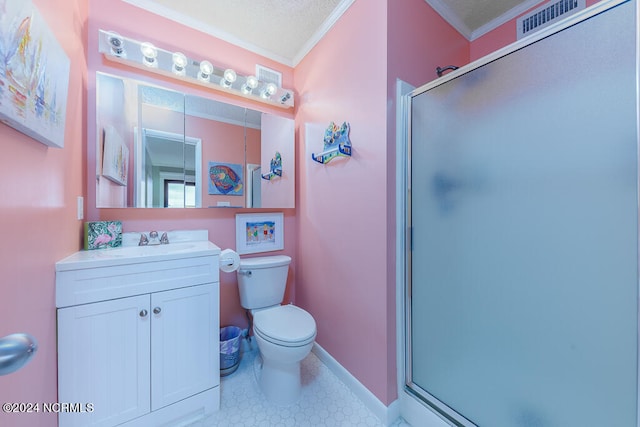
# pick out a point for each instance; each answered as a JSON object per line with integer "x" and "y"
{"x": 184, "y": 343}
{"x": 138, "y": 335}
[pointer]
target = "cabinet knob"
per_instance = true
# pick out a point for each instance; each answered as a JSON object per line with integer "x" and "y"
{"x": 143, "y": 313}
{"x": 157, "y": 310}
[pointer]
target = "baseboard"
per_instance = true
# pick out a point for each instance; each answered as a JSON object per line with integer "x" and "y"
{"x": 386, "y": 414}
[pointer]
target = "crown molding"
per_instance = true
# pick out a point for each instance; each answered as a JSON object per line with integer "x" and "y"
{"x": 503, "y": 19}
{"x": 448, "y": 15}
{"x": 322, "y": 31}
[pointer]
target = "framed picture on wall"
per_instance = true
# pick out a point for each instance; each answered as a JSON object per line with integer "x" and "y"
{"x": 260, "y": 232}
{"x": 115, "y": 160}
{"x": 34, "y": 74}
{"x": 226, "y": 179}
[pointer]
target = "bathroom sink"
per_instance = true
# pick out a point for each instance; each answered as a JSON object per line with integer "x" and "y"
{"x": 137, "y": 251}
{"x": 134, "y": 254}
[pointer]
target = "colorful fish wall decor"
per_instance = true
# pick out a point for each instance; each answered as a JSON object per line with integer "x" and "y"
{"x": 225, "y": 179}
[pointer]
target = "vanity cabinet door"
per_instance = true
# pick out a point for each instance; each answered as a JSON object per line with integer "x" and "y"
{"x": 103, "y": 359}
{"x": 185, "y": 353}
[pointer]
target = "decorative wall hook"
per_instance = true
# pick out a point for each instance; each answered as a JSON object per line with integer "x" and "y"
{"x": 336, "y": 143}
{"x": 275, "y": 169}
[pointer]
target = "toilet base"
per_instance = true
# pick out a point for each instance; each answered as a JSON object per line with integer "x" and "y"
{"x": 280, "y": 382}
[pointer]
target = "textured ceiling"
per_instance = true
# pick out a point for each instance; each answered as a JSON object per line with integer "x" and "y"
{"x": 472, "y": 18}
{"x": 285, "y": 30}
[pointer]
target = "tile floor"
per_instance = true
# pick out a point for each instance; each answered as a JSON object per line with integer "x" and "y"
{"x": 325, "y": 401}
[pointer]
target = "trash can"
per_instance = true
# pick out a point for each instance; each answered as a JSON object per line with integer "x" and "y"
{"x": 230, "y": 339}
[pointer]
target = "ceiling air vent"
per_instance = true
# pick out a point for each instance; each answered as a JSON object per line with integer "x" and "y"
{"x": 268, "y": 75}
{"x": 546, "y": 15}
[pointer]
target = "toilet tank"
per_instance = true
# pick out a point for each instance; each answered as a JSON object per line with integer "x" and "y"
{"x": 262, "y": 280}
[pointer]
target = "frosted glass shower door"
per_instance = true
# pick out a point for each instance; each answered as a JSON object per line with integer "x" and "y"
{"x": 523, "y": 208}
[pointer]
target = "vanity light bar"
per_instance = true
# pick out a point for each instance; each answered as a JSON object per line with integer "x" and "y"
{"x": 146, "y": 56}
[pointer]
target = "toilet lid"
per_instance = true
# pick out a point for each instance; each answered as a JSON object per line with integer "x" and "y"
{"x": 285, "y": 323}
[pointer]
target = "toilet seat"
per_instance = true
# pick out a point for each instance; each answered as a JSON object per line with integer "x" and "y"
{"x": 285, "y": 325}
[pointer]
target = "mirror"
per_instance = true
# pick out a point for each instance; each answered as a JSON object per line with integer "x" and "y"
{"x": 162, "y": 148}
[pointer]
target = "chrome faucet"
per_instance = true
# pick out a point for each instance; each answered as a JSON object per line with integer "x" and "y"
{"x": 153, "y": 239}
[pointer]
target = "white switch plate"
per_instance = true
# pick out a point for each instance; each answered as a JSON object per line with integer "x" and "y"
{"x": 80, "y": 207}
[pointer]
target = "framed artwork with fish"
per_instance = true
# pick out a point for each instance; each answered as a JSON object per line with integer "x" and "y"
{"x": 259, "y": 232}
{"x": 34, "y": 74}
{"x": 226, "y": 179}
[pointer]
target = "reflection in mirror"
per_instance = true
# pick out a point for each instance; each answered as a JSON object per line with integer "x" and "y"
{"x": 169, "y": 149}
{"x": 161, "y": 148}
{"x": 254, "y": 181}
{"x": 173, "y": 162}
{"x": 230, "y": 135}
{"x": 163, "y": 160}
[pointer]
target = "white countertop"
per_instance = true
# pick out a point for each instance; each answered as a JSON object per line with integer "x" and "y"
{"x": 136, "y": 254}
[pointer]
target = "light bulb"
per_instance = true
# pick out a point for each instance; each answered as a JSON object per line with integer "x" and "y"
{"x": 284, "y": 98}
{"x": 150, "y": 53}
{"x": 249, "y": 85}
{"x": 228, "y": 78}
{"x": 179, "y": 63}
{"x": 205, "y": 71}
{"x": 116, "y": 42}
{"x": 269, "y": 90}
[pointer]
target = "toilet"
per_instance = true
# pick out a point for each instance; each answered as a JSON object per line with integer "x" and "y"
{"x": 285, "y": 333}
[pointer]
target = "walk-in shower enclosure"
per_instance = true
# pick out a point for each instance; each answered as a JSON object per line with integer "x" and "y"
{"x": 522, "y": 253}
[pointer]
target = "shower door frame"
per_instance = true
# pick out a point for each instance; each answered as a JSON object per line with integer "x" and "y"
{"x": 415, "y": 408}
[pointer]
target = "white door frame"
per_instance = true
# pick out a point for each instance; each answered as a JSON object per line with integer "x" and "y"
{"x": 140, "y": 149}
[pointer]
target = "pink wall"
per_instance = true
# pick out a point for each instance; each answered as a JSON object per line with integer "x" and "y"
{"x": 346, "y": 216}
{"x": 342, "y": 220}
{"x": 420, "y": 40}
{"x": 38, "y": 213}
{"x": 139, "y": 24}
{"x": 277, "y": 133}
{"x": 253, "y": 148}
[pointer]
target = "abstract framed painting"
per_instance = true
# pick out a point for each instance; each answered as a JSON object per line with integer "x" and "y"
{"x": 34, "y": 74}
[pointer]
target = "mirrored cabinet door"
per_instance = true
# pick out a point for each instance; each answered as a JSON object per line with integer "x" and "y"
{"x": 223, "y": 131}
{"x": 163, "y": 162}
